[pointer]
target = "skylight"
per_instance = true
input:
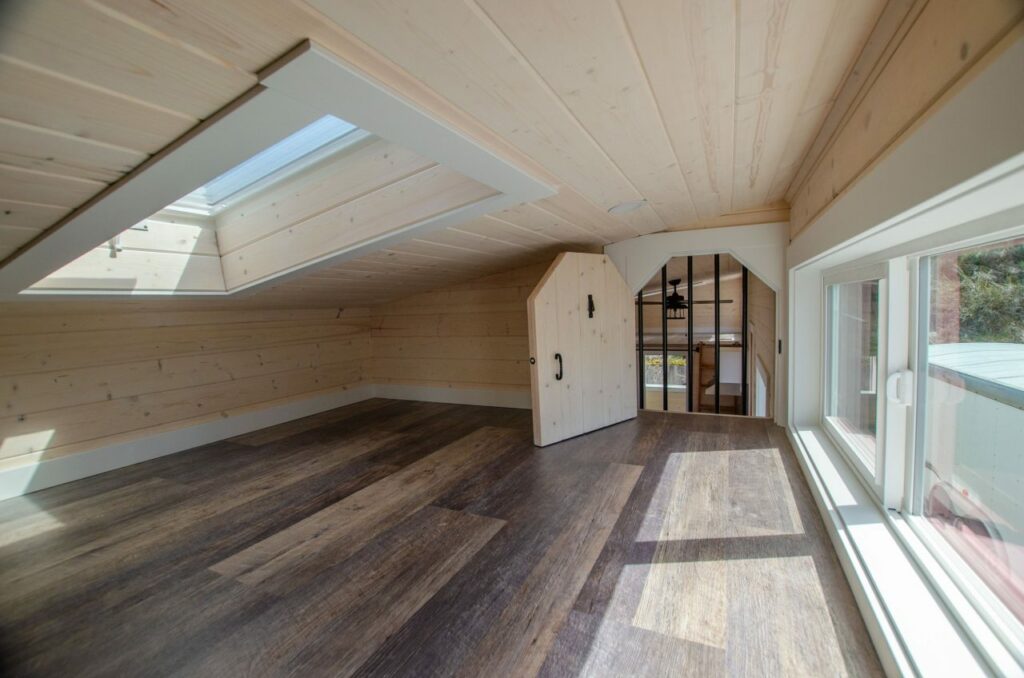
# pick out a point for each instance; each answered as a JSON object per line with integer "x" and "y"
{"x": 310, "y": 143}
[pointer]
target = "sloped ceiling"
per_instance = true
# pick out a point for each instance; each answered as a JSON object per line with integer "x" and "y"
{"x": 702, "y": 108}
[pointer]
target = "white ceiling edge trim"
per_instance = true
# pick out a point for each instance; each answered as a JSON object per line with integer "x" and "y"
{"x": 301, "y": 87}
{"x": 966, "y": 143}
{"x": 759, "y": 247}
{"x": 438, "y": 222}
{"x": 320, "y": 79}
{"x": 256, "y": 120}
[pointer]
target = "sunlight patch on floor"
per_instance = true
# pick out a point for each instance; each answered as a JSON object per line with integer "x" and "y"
{"x": 30, "y": 526}
{"x": 770, "y": 612}
{"x": 721, "y": 494}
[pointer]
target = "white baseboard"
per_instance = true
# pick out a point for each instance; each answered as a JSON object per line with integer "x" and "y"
{"x": 459, "y": 395}
{"x": 21, "y": 480}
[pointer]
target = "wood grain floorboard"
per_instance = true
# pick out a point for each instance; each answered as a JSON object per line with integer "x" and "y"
{"x": 394, "y": 538}
{"x": 355, "y": 604}
{"x": 338, "y": 531}
{"x": 521, "y": 637}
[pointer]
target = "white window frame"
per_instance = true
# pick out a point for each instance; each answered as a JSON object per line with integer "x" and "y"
{"x": 968, "y": 599}
{"x": 925, "y": 537}
{"x": 886, "y": 479}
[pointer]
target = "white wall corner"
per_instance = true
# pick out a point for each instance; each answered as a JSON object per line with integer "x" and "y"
{"x": 759, "y": 247}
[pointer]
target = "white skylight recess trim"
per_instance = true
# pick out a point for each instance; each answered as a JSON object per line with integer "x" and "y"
{"x": 288, "y": 155}
{"x": 298, "y": 90}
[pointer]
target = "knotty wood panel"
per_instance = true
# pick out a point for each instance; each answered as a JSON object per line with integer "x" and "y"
{"x": 318, "y": 189}
{"x": 703, "y": 109}
{"x": 70, "y": 379}
{"x": 153, "y": 256}
{"x": 103, "y": 268}
{"x": 473, "y": 334}
{"x": 761, "y": 319}
{"x": 583, "y": 376}
{"x": 416, "y": 198}
{"x": 942, "y": 42}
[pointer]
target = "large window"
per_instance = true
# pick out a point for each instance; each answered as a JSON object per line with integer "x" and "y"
{"x": 851, "y": 407}
{"x": 970, "y": 479}
{"x": 676, "y": 370}
{"x": 924, "y": 393}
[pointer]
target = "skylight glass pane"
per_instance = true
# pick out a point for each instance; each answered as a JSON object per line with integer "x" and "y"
{"x": 265, "y": 163}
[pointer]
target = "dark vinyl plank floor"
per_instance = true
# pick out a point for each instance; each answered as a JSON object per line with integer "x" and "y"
{"x": 423, "y": 539}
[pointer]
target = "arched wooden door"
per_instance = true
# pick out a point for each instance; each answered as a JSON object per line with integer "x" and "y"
{"x": 582, "y": 348}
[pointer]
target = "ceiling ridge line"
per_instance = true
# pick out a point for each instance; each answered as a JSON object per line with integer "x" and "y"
{"x": 480, "y": 11}
{"x": 639, "y": 62}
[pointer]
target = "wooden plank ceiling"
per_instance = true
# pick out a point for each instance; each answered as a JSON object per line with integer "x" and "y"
{"x": 703, "y": 108}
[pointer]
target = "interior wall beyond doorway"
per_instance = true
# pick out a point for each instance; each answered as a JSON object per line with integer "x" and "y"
{"x": 678, "y": 375}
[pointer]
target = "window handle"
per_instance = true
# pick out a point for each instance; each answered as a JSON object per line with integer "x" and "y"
{"x": 899, "y": 387}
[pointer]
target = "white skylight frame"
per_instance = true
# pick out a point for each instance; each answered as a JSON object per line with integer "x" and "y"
{"x": 316, "y": 141}
{"x": 295, "y": 91}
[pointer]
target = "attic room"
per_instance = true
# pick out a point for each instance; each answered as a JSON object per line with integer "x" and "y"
{"x": 478, "y": 338}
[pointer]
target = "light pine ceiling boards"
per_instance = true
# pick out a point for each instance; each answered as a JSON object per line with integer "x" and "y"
{"x": 702, "y": 108}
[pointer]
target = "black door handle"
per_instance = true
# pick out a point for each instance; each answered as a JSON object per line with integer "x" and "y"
{"x": 558, "y": 357}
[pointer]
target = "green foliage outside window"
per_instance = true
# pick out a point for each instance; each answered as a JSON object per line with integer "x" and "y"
{"x": 978, "y": 296}
{"x": 673, "y": 360}
{"x": 992, "y": 295}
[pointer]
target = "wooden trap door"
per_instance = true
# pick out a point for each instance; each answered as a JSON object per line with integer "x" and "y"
{"x": 582, "y": 348}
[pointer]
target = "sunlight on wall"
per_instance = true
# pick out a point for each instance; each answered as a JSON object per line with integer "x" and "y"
{"x": 26, "y": 443}
{"x": 164, "y": 257}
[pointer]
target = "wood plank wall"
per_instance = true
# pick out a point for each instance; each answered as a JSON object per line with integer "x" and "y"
{"x": 468, "y": 335}
{"x": 73, "y": 377}
{"x": 761, "y": 319}
{"x": 928, "y": 47}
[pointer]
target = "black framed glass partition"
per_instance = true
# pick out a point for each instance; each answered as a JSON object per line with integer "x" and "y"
{"x": 694, "y": 337}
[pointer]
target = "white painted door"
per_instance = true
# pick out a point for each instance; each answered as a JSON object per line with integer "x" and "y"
{"x": 582, "y": 348}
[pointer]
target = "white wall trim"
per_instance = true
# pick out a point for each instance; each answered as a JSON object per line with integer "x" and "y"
{"x": 299, "y": 88}
{"x": 957, "y": 147}
{"x": 459, "y": 395}
{"x": 21, "y": 480}
{"x": 47, "y": 473}
{"x": 909, "y": 622}
{"x": 759, "y": 247}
